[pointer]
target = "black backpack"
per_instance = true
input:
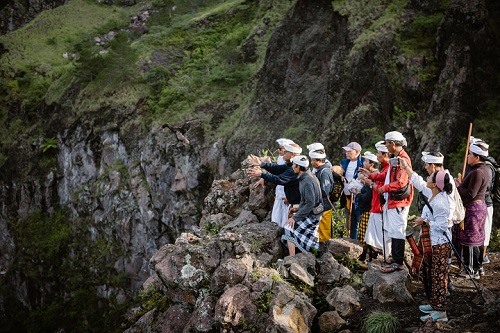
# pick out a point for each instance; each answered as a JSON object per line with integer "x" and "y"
{"x": 494, "y": 186}
{"x": 337, "y": 187}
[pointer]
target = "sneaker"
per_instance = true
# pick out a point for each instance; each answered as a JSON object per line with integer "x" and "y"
{"x": 486, "y": 260}
{"x": 435, "y": 316}
{"x": 476, "y": 275}
{"x": 481, "y": 271}
{"x": 427, "y": 308}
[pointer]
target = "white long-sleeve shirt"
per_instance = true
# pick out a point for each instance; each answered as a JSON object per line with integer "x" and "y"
{"x": 438, "y": 219}
{"x": 420, "y": 184}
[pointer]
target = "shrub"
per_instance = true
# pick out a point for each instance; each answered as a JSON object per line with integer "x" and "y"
{"x": 380, "y": 322}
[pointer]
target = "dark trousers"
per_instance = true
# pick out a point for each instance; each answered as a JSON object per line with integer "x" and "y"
{"x": 473, "y": 257}
{"x": 398, "y": 250}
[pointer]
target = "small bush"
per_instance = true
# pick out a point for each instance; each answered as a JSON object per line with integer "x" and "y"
{"x": 380, "y": 322}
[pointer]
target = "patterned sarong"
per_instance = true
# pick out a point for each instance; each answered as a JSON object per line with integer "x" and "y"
{"x": 424, "y": 245}
{"x": 362, "y": 226}
{"x": 304, "y": 234}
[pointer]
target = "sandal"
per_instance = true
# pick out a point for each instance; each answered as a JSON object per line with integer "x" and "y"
{"x": 391, "y": 268}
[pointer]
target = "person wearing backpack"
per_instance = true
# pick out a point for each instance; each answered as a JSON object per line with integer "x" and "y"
{"x": 325, "y": 178}
{"x": 472, "y": 190}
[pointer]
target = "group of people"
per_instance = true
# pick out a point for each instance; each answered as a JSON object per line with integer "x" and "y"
{"x": 378, "y": 191}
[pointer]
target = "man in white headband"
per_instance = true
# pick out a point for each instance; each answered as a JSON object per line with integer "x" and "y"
{"x": 473, "y": 192}
{"x": 301, "y": 230}
{"x": 325, "y": 177}
{"x": 280, "y": 209}
{"x": 376, "y": 238}
{"x": 279, "y": 174}
{"x": 398, "y": 193}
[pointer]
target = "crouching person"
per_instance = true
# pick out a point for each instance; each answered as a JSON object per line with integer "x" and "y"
{"x": 301, "y": 230}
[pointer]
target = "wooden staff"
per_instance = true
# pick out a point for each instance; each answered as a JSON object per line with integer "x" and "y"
{"x": 349, "y": 217}
{"x": 466, "y": 152}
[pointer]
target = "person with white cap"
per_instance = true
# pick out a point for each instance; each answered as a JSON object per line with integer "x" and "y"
{"x": 301, "y": 230}
{"x": 398, "y": 193}
{"x": 351, "y": 165}
{"x": 376, "y": 237}
{"x": 325, "y": 177}
{"x": 280, "y": 209}
{"x": 365, "y": 202}
{"x": 318, "y": 147}
{"x": 472, "y": 190}
{"x": 280, "y": 174}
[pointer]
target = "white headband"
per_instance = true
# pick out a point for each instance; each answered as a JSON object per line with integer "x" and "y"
{"x": 301, "y": 160}
{"x": 284, "y": 141}
{"x": 370, "y": 156}
{"x": 292, "y": 149}
{"x": 380, "y": 146}
{"x": 315, "y": 146}
{"x": 431, "y": 159}
{"x": 395, "y": 136}
{"x": 313, "y": 154}
{"x": 478, "y": 151}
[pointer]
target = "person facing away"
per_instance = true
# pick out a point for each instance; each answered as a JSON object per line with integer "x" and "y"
{"x": 301, "y": 229}
{"x": 325, "y": 177}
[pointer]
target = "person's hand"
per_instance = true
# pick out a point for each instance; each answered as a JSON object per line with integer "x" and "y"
{"x": 366, "y": 181}
{"x": 253, "y": 160}
{"x": 402, "y": 163}
{"x": 418, "y": 221}
{"x": 260, "y": 182}
{"x": 285, "y": 201}
{"x": 379, "y": 190}
{"x": 254, "y": 172}
{"x": 290, "y": 222}
{"x": 365, "y": 172}
{"x": 457, "y": 180}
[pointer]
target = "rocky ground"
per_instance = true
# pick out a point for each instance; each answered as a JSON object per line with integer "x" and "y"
{"x": 466, "y": 311}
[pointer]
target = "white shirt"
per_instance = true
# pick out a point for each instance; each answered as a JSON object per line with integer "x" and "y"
{"x": 421, "y": 185}
{"x": 438, "y": 220}
{"x": 349, "y": 174}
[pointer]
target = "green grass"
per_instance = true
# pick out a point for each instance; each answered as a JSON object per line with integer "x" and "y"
{"x": 54, "y": 32}
{"x": 380, "y": 322}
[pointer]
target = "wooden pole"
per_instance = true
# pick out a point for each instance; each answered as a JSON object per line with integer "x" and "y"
{"x": 466, "y": 152}
{"x": 349, "y": 217}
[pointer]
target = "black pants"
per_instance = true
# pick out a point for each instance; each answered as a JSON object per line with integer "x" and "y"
{"x": 398, "y": 250}
{"x": 473, "y": 257}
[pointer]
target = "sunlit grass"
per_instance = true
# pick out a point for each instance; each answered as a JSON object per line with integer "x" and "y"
{"x": 54, "y": 32}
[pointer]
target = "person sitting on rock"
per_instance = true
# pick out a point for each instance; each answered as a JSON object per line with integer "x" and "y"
{"x": 301, "y": 230}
